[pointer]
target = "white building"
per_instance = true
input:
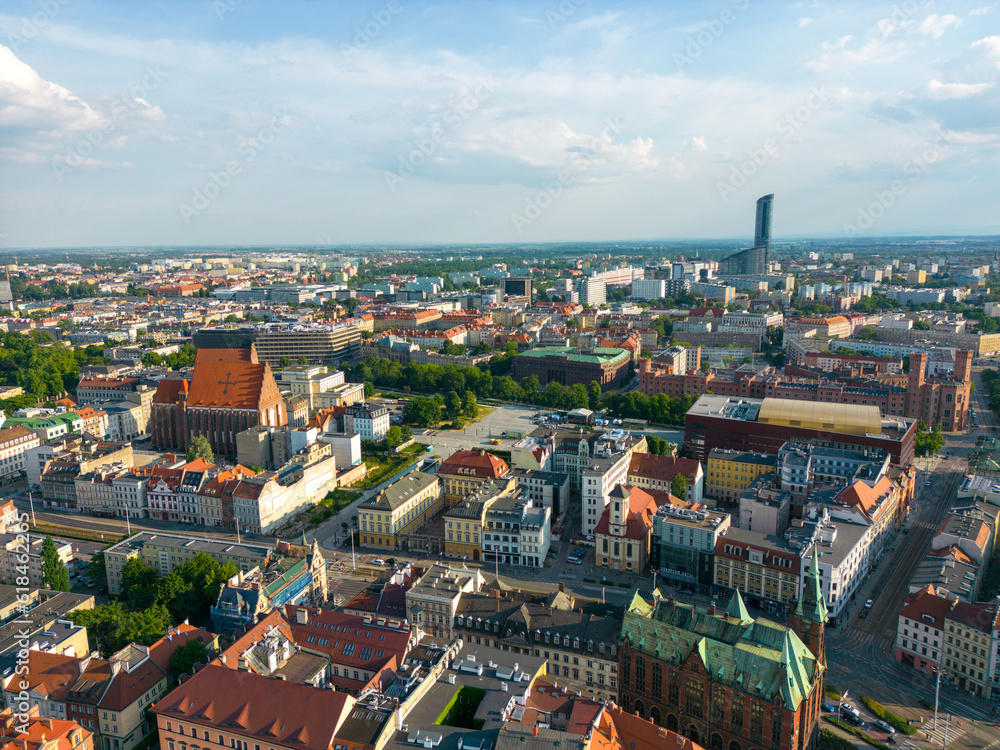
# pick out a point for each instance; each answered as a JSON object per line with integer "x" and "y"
{"x": 370, "y": 421}
{"x": 593, "y": 292}
{"x": 15, "y": 442}
{"x": 649, "y": 289}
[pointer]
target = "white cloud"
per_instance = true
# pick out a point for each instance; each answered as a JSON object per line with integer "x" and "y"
{"x": 803, "y": 22}
{"x": 698, "y": 144}
{"x": 27, "y": 100}
{"x": 843, "y": 53}
{"x": 936, "y": 25}
{"x": 980, "y": 11}
{"x": 939, "y": 90}
{"x": 991, "y": 46}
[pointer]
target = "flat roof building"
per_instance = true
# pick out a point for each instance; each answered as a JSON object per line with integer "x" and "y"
{"x": 764, "y": 425}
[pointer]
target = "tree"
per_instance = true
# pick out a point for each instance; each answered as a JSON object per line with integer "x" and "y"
{"x": 55, "y": 576}
{"x": 678, "y": 487}
{"x": 97, "y": 570}
{"x": 394, "y": 436}
{"x": 186, "y": 656}
{"x": 138, "y": 587}
{"x": 200, "y": 448}
{"x": 594, "y": 394}
{"x": 452, "y": 404}
{"x": 470, "y": 407}
{"x": 284, "y": 362}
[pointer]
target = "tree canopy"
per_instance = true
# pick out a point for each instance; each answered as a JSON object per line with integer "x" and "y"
{"x": 55, "y": 576}
{"x": 200, "y": 448}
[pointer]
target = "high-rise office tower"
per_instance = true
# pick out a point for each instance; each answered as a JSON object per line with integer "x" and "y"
{"x": 754, "y": 260}
{"x": 762, "y": 229}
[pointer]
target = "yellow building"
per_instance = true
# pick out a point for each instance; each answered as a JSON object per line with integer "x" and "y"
{"x": 400, "y": 509}
{"x": 464, "y": 471}
{"x": 730, "y": 472}
{"x": 463, "y": 524}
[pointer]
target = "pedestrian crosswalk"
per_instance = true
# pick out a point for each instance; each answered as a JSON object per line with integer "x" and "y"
{"x": 946, "y": 733}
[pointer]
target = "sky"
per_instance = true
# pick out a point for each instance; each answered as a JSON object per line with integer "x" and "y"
{"x": 245, "y": 122}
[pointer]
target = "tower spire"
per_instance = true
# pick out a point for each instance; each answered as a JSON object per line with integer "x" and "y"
{"x": 811, "y": 606}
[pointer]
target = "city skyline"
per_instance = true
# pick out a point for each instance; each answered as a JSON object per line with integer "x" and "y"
{"x": 242, "y": 123}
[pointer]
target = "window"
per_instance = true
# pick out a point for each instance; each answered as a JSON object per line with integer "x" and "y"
{"x": 736, "y": 712}
{"x": 718, "y": 703}
{"x": 640, "y": 675}
{"x": 348, "y": 649}
{"x": 657, "y": 680}
{"x": 756, "y": 719}
{"x": 694, "y": 695}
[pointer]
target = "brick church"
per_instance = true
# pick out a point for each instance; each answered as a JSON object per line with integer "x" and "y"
{"x": 724, "y": 679}
{"x": 230, "y": 391}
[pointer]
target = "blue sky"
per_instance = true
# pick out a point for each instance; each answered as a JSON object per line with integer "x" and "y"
{"x": 247, "y": 122}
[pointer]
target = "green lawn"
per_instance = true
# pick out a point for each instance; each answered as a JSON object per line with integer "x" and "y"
{"x": 461, "y": 709}
{"x": 381, "y": 465}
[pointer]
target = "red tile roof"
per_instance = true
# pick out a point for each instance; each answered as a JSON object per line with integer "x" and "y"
{"x": 618, "y": 730}
{"x": 348, "y": 638}
{"x": 483, "y": 465}
{"x": 228, "y": 385}
{"x": 286, "y": 713}
{"x": 168, "y": 390}
{"x": 651, "y": 466}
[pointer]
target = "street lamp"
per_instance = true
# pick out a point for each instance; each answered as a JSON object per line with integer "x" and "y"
{"x": 31, "y": 504}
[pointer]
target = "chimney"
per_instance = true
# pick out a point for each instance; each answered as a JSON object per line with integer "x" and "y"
{"x": 562, "y": 586}
{"x": 711, "y": 608}
{"x": 534, "y": 731}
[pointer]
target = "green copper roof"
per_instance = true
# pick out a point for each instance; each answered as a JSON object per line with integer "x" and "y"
{"x": 759, "y": 657}
{"x": 737, "y": 609}
{"x": 811, "y": 606}
{"x": 597, "y": 355}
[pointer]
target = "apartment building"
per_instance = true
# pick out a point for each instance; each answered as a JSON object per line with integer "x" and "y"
{"x": 164, "y": 552}
{"x": 729, "y": 472}
{"x": 318, "y": 344}
{"x": 969, "y": 648}
{"x": 370, "y": 421}
{"x": 400, "y": 509}
{"x": 15, "y": 442}
{"x": 322, "y": 387}
{"x": 653, "y": 472}
{"x": 514, "y": 531}
{"x": 464, "y": 522}
{"x": 764, "y": 568}
{"x": 14, "y": 547}
{"x": 464, "y": 471}
{"x": 578, "y": 641}
{"x": 105, "y": 389}
{"x": 432, "y": 602}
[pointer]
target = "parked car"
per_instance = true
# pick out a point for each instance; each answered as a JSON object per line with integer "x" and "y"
{"x": 829, "y": 708}
{"x": 884, "y": 727}
{"x": 869, "y": 604}
{"x": 847, "y": 708}
{"x": 853, "y": 719}
{"x": 553, "y": 554}
{"x": 378, "y": 561}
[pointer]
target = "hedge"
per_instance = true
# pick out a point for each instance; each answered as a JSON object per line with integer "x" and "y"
{"x": 888, "y": 716}
{"x": 832, "y": 692}
{"x": 830, "y": 741}
{"x": 857, "y": 733}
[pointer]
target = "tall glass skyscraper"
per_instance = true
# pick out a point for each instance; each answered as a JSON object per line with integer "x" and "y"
{"x": 762, "y": 230}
